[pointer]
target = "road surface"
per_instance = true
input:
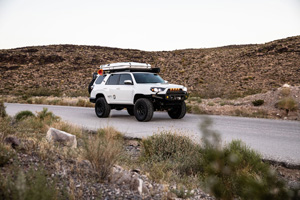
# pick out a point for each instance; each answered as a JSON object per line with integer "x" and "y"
{"x": 277, "y": 140}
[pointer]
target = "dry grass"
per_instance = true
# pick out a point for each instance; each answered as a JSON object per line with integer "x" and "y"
{"x": 103, "y": 150}
{"x": 61, "y": 101}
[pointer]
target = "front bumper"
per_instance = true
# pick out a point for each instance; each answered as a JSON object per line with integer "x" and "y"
{"x": 169, "y": 96}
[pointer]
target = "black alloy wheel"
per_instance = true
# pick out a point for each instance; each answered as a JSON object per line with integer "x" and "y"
{"x": 143, "y": 110}
{"x": 102, "y": 109}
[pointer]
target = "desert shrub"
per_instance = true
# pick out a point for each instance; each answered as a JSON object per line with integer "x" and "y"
{"x": 81, "y": 103}
{"x": 69, "y": 128}
{"x": 39, "y": 100}
{"x": 33, "y": 185}
{"x": 47, "y": 117}
{"x": 197, "y": 110}
{"x": 285, "y": 91}
{"x": 211, "y": 103}
{"x": 223, "y": 103}
{"x": 53, "y": 102}
{"x": 23, "y": 114}
{"x": 29, "y": 101}
{"x": 78, "y": 93}
{"x": 44, "y": 92}
{"x": 6, "y": 128}
{"x": 188, "y": 108}
{"x": 103, "y": 150}
{"x": 235, "y": 171}
{"x": 288, "y": 104}
{"x": 258, "y": 102}
{"x": 6, "y": 153}
{"x": 178, "y": 150}
{"x": 2, "y": 110}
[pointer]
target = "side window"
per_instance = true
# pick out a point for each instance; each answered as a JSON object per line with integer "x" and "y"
{"x": 113, "y": 79}
{"x": 124, "y": 77}
{"x": 99, "y": 79}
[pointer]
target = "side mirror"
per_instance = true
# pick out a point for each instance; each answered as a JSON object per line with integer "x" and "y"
{"x": 166, "y": 81}
{"x": 128, "y": 82}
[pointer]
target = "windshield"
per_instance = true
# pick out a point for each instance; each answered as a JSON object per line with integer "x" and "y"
{"x": 147, "y": 78}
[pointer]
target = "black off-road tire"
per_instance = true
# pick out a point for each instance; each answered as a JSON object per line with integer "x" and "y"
{"x": 130, "y": 111}
{"x": 143, "y": 110}
{"x": 178, "y": 112}
{"x": 102, "y": 109}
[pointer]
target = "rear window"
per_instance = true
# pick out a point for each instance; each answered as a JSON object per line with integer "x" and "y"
{"x": 113, "y": 79}
{"x": 99, "y": 79}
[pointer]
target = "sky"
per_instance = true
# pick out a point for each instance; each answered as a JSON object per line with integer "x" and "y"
{"x": 151, "y": 25}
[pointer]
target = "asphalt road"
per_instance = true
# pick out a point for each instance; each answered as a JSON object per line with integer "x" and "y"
{"x": 275, "y": 139}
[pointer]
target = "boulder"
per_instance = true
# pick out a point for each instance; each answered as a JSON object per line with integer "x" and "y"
{"x": 13, "y": 141}
{"x": 128, "y": 179}
{"x": 138, "y": 185}
{"x": 55, "y": 135}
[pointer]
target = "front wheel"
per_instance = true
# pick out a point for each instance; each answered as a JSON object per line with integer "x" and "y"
{"x": 178, "y": 112}
{"x": 102, "y": 109}
{"x": 143, "y": 110}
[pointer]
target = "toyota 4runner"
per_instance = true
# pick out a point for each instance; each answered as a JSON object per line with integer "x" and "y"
{"x": 138, "y": 88}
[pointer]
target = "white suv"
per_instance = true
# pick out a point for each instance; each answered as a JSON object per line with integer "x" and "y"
{"x": 138, "y": 88}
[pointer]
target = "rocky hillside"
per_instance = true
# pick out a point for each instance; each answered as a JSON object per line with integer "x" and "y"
{"x": 229, "y": 71}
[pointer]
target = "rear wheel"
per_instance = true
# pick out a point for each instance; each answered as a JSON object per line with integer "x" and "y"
{"x": 102, "y": 109}
{"x": 178, "y": 112}
{"x": 143, "y": 110}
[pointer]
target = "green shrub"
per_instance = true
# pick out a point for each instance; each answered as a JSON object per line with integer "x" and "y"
{"x": 211, "y": 103}
{"x": 33, "y": 185}
{"x": 178, "y": 150}
{"x": 258, "y": 102}
{"x": 47, "y": 117}
{"x": 6, "y": 153}
{"x": 39, "y": 100}
{"x": 23, "y": 114}
{"x": 288, "y": 104}
{"x": 235, "y": 171}
{"x": 188, "y": 108}
{"x": 2, "y": 110}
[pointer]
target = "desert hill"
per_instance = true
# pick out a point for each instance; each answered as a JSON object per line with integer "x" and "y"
{"x": 228, "y": 72}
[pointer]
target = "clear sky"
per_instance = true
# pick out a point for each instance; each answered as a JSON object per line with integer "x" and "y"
{"x": 147, "y": 24}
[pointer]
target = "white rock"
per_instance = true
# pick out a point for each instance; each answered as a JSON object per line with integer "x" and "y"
{"x": 55, "y": 135}
{"x": 286, "y": 85}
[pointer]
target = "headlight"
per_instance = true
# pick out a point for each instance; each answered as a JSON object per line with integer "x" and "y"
{"x": 157, "y": 89}
{"x": 184, "y": 89}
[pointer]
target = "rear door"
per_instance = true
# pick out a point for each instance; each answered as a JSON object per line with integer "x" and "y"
{"x": 112, "y": 88}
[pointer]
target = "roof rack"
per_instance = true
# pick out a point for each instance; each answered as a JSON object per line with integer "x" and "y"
{"x": 129, "y": 66}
